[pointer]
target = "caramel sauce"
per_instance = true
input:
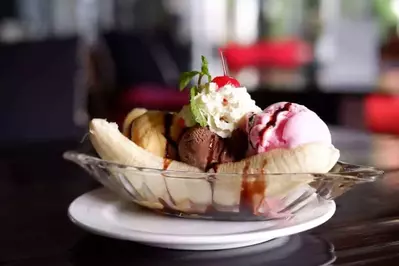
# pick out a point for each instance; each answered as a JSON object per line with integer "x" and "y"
{"x": 245, "y": 197}
{"x": 166, "y": 163}
{"x": 262, "y": 180}
{"x": 252, "y": 191}
{"x": 264, "y": 163}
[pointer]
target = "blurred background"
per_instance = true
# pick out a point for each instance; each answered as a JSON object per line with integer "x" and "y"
{"x": 65, "y": 61}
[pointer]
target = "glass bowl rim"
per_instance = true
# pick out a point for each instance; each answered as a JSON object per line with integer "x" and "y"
{"x": 371, "y": 171}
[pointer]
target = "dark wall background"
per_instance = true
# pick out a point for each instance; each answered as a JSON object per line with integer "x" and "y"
{"x": 7, "y": 9}
{"x": 37, "y": 83}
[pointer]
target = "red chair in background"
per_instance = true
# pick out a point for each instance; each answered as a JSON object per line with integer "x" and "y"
{"x": 285, "y": 54}
{"x": 381, "y": 113}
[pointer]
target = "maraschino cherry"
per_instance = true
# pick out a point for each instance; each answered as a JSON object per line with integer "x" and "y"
{"x": 225, "y": 79}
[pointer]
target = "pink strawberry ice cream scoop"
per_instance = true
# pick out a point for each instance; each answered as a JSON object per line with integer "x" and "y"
{"x": 285, "y": 125}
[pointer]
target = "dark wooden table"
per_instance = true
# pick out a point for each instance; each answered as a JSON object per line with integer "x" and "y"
{"x": 36, "y": 186}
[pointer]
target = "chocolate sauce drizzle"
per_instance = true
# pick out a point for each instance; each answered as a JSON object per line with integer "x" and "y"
{"x": 273, "y": 119}
{"x": 253, "y": 189}
{"x": 168, "y": 118}
{"x": 171, "y": 145}
{"x": 250, "y": 125}
{"x": 211, "y": 149}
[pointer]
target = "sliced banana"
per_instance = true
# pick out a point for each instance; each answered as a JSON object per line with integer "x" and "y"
{"x": 180, "y": 194}
{"x": 258, "y": 172}
{"x": 148, "y": 131}
{"x": 127, "y": 123}
{"x": 313, "y": 157}
{"x": 156, "y": 132}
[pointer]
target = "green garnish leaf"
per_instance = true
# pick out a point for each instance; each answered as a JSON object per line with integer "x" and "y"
{"x": 195, "y": 110}
{"x": 205, "y": 69}
{"x": 186, "y": 77}
{"x": 193, "y": 92}
{"x": 187, "y": 116}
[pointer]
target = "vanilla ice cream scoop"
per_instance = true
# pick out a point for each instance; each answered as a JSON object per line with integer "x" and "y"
{"x": 285, "y": 125}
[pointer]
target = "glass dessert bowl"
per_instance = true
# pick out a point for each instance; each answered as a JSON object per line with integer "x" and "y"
{"x": 227, "y": 196}
{"x": 221, "y": 156}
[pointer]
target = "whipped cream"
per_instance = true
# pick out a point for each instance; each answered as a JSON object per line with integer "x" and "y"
{"x": 222, "y": 107}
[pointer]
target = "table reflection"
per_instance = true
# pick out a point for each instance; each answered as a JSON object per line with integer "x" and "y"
{"x": 366, "y": 148}
{"x": 301, "y": 249}
{"x": 385, "y": 149}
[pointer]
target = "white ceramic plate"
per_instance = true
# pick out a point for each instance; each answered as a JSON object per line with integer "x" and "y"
{"x": 103, "y": 213}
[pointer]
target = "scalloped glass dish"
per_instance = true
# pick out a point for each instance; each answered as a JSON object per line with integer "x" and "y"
{"x": 236, "y": 197}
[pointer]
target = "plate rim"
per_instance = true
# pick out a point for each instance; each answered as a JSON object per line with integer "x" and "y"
{"x": 123, "y": 233}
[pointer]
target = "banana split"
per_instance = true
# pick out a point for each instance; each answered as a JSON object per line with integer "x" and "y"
{"x": 221, "y": 131}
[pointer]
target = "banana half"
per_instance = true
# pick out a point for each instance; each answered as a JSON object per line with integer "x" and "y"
{"x": 271, "y": 174}
{"x": 249, "y": 180}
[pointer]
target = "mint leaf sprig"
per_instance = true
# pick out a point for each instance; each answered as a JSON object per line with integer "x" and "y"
{"x": 196, "y": 112}
{"x": 185, "y": 79}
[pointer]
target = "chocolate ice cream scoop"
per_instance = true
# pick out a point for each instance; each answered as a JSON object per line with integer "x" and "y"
{"x": 202, "y": 148}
